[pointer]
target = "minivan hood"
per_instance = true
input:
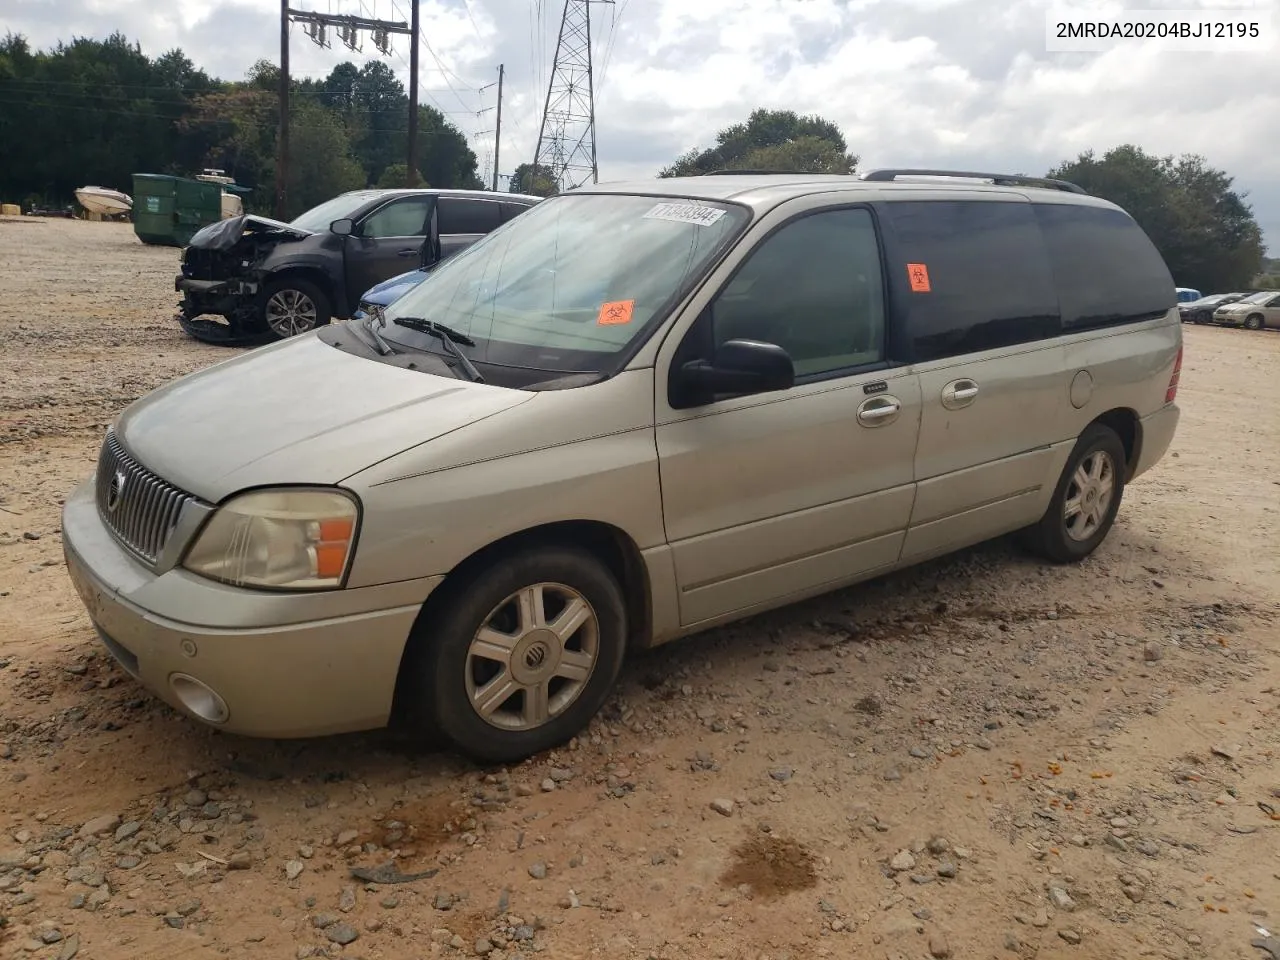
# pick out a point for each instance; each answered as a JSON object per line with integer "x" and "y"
{"x": 297, "y": 412}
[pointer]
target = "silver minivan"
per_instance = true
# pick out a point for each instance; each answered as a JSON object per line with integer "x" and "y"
{"x": 630, "y": 414}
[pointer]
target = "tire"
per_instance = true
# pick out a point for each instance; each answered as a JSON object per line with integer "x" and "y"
{"x": 292, "y": 306}
{"x": 1100, "y": 455}
{"x": 451, "y": 669}
{"x": 1253, "y": 322}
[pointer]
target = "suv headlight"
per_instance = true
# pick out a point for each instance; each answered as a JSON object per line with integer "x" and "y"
{"x": 282, "y": 539}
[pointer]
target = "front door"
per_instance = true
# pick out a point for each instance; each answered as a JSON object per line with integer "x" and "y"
{"x": 388, "y": 242}
{"x": 1271, "y": 312}
{"x": 771, "y": 496}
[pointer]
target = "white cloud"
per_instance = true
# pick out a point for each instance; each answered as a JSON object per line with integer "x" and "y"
{"x": 960, "y": 83}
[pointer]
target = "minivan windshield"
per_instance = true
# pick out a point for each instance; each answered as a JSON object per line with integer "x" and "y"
{"x": 317, "y": 219}
{"x": 1259, "y": 297}
{"x": 569, "y": 285}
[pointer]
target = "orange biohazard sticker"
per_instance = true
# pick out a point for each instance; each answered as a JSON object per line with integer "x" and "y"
{"x": 615, "y": 312}
{"x": 918, "y": 274}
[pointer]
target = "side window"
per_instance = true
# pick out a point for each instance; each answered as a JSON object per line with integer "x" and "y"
{"x": 1106, "y": 269}
{"x": 406, "y": 217}
{"x": 814, "y": 288}
{"x": 972, "y": 274}
{"x": 459, "y": 215}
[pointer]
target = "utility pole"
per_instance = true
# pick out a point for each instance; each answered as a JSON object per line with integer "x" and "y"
{"x": 567, "y": 141}
{"x": 349, "y": 30}
{"x": 413, "y": 97}
{"x": 497, "y": 133}
{"x": 282, "y": 151}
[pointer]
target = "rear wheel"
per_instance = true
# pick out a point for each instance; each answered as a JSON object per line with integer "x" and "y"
{"x": 292, "y": 305}
{"x": 1085, "y": 501}
{"x": 1253, "y": 322}
{"x": 522, "y": 656}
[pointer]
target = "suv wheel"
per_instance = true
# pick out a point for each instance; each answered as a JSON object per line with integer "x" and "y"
{"x": 522, "y": 656}
{"x": 292, "y": 306}
{"x": 1085, "y": 501}
{"x": 1253, "y": 322}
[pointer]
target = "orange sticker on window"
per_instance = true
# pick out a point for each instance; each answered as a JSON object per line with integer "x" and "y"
{"x": 615, "y": 312}
{"x": 918, "y": 274}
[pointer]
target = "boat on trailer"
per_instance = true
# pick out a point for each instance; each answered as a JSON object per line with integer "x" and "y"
{"x": 104, "y": 201}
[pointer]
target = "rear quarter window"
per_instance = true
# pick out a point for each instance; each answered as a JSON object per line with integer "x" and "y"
{"x": 1106, "y": 269}
{"x": 988, "y": 279}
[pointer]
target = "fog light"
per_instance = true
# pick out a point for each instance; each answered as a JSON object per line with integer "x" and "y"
{"x": 199, "y": 698}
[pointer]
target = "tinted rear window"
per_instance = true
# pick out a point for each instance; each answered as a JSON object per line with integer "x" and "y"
{"x": 1107, "y": 271}
{"x": 458, "y": 215}
{"x": 988, "y": 278}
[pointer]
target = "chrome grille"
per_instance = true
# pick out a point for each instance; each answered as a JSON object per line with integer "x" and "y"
{"x": 137, "y": 506}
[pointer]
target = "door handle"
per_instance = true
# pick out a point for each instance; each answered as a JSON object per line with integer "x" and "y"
{"x": 410, "y": 252}
{"x": 879, "y": 411}
{"x": 959, "y": 393}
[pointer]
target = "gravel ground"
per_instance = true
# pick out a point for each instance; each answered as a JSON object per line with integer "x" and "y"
{"x": 980, "y": 758}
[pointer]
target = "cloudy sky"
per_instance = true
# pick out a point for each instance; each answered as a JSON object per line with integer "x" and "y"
{"x": 940, "y": 83}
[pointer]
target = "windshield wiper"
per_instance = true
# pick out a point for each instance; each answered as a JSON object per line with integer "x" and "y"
{"x": 450, "y": 338}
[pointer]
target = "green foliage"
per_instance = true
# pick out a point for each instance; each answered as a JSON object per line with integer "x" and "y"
{"x": 1205, "y": 231}
{"x": 534, "y": 180}
{"x": 99, "y": 111}
{"x": 772, "y": 140}
{"x": 396, "y": 177}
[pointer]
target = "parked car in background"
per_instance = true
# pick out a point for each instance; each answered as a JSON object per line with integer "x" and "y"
{"x": 638, "y": 411}
{"x": 1187, "y": 294}
{"x": 1201, "y": 311}
{"x": 389, "y": 291}
{"x": 1253, "y": 312}
{"x": 266, "y": 279}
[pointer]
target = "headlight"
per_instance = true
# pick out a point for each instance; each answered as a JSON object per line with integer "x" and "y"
{"x": 285, "y": 539}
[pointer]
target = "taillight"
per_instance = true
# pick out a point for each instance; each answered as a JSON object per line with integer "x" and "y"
{"x": 1172, "y": 392}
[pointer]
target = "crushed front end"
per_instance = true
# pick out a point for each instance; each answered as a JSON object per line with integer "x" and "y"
{"x": 222, "y": 276}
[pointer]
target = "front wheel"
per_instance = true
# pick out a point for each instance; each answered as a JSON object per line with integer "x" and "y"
{"x": 1254, "y": 322}
{"x": 1085, "y": 501}
{"x": 523, "y": 655}
{"x": 292, "y": 306}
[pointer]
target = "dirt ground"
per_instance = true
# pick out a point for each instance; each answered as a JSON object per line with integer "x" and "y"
{"x": 980, "y": 758}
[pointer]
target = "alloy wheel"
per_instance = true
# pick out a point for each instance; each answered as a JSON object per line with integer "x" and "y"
{"x": 532, "y": 656}
{"x": 1089, "y": 495}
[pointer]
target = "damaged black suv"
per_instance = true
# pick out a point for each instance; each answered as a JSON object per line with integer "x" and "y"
{"x": 270, "y": 280}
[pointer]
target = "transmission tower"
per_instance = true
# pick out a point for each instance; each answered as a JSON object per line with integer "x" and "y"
{"x": 567, "y": 141}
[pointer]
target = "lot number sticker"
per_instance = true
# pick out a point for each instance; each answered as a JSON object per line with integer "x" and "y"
{"x": 685, "y": 213}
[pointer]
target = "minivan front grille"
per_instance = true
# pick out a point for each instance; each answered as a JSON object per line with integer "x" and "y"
{"x": 136, "y": 505}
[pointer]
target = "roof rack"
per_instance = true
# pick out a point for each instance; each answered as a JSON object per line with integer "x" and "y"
{"x": 1001, "y": 179}
{"x": 757, "y": 173}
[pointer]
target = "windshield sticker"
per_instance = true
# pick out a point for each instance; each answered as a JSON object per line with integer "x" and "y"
{"x": 918, "y": 274}
{"x": 685, "y": 213}
{"x": 615, "y": 312}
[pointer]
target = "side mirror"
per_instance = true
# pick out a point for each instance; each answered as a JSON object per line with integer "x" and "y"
{"x": 343, "y": 228}
{"x": 740, "y": 368}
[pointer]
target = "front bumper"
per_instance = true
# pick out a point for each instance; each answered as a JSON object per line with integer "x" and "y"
{"x": 284, "y": 665}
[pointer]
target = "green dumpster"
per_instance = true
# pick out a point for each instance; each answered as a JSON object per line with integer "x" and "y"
{"x": 168, "y": 210}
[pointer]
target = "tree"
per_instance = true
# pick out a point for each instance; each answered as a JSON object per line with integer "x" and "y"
{"x": 396, "y": 177}
{"x": 321, "y": 164}
{"x": 533, "y": 179}
{"x": 98, "y": 111}
{"x": 772, "y": 140}
{"x": 1205, "y": 231}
